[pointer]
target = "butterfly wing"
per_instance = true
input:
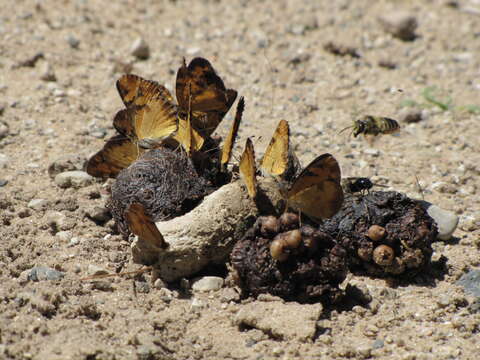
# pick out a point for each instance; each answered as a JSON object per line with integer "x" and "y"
{"x": 143, "y": 226}
{"x": 188, "y": 137}
{"x": 150, "y": 116}
{"x": 232, "y": 135}
{"x": 316, "y": 191}
{"x": 275, "y": 160}
{"x": 117, "y": 154}
{"x": 248, "y": 169}
{"x": 210, "y": 99}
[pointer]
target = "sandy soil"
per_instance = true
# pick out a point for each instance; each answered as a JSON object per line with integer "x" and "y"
{"x": 272, "y": 53}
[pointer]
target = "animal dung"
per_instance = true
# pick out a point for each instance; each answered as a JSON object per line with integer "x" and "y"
{"x": 302, "y": 264}
{"x": 385, "y": 233}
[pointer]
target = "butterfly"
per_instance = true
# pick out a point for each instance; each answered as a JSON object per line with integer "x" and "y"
{"x": 232, "y": 135}
{"x": 150, "y": 115}
{"x": 210, "y": 99}
{"x": 143, "y": 226}
{"x": 316, "y": 191}
{"x": 275, "y": 161}
{"x": 117, "y": 154}
{"x": 248, "y": 169}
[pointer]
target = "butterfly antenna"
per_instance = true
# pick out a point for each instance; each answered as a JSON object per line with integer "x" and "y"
{"x": 420, "y": 189}
{"x": 103, "y": 276}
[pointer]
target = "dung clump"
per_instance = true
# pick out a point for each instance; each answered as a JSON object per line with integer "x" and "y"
{"x": 282, "y": 258}
{"x": 164, "y": 181}
{"x": 386, "y": 234}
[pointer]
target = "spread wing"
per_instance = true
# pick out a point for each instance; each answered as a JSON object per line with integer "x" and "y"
{"x": 316, "y": 191}
{"x": 248, "y": 169}
{"x": 117, "y": 154}
{"x": 150, "y": 116}
{"x": 210, "y": 99}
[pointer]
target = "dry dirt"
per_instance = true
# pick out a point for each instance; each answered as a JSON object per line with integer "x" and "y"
{"x": 273, "y": 53}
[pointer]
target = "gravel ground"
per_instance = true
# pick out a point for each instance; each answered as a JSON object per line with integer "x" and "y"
{"x": 318, "y": 64}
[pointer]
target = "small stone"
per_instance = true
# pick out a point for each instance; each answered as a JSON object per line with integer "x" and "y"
{"x": 39, "y": 273}
{"x": 38, "y": 204}
{"x": 471, "y": 282}
{"x": 400, "y": 24}
{"x": 73, "y": 179}
{"x": 378, "y": 344}
{"x": 207, "y": 283}
{"x": 96, "y": 270}
{"x": 372, "y": 152}
{"x": 142, "y": 287}
{"x": 410, "y": 116}
{"x": 3, "y": 182}
{"x": 3, "y": 161}
{"x": 47, "y": 73}
{"x": 66, "y": 163}
{"x": 447, "y": 221}
{"x": 197, "y": 304}
{"x": 159, "y": 284}
{"x": 444, "y": 300}
{"x": 98, "y": 133}
{"x": 3, "y": 130}
{"x": 72, "y": 41}
{"x": 140, "y": 49}
{"x": 64, "y": 235}
{"x": 57, "y": 220}
{"x": 99, "y": 214}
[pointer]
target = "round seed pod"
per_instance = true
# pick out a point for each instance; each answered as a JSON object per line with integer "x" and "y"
{"x": 288, "y": 221}
{"x": 376, "y": 233}
{"x": 293, "y": 238}
{"x": 269, "y": 226}
{"x": 276, "y": 248}
{"x": 383, "y": 255}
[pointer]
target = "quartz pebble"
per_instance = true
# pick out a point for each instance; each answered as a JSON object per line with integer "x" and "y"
{"x": 140, "y": 49}
{"x": 73, "y": 179}
{"x": 400, "y": 24}
{"x": 207, "y": 283}
{"x": 39, "y": 273}
{"x": 37, "y": 204}
{"x": 471, "y": 282}
{"x": 447, "y": 221}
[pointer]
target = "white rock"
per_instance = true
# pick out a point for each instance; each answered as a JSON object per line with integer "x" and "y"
{"x": 447, "y": 221}
{"x": 207, "y": 283}
{"x": 140, "y": 49}
{"x": 3, "y": 160}
{"x": 400, "y": 24}
{"x": 73, "y": 179}
{"x": 37, "y": 204}
{"x": 3, "y": 130}
{"x": 64, "y": 235}
{"x": 96, "y": 270}
{"x": 197, "y": 304}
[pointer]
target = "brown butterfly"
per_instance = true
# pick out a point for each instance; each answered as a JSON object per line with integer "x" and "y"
{"x": 143, "y": 226}
{"x": 232, "y": 135}
{"x": 248, "y": 169}
{"x": 150, "y": 116}
{"x": 211, "y": 100}
{"x": 117, "y": 154}
{"x": 316, "y": 191}
{"x": 275, "y": 161}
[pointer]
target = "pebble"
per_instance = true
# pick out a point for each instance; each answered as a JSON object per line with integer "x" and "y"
{"x": 447, "y": 221}
{"x": 38, "y": 204}
{"x": 3, "y": 182}
{"x": 47, "y": 73}
{"x": 140, "y": 49}
{"x": 400, "y": 24}
{"x": 64, "y": 235}
{"x": 39, "y": 273}
{"x": 72, "y": 41}
{"x": 96, "y": 270}
{"x": 372, "y": 152}
{"x": 159, "y": 284}
{"x": 471, "y": 282}
{"x": 410, "y": 116}
{"x": 74, "y": 178}
{"x": 3, "y": 130}
{"x": 378, "y": 344}
{"x": 197, "y": 304}
{"x": 3, "y": 160}
{"x": 66, "y": 163}
{"x": 207, "y": 283}
{"x": 99, "y": 214}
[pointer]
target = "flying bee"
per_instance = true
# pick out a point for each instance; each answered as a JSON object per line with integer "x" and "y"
{"x": 373, "y": 125}
{"x": 352, "y": 185}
